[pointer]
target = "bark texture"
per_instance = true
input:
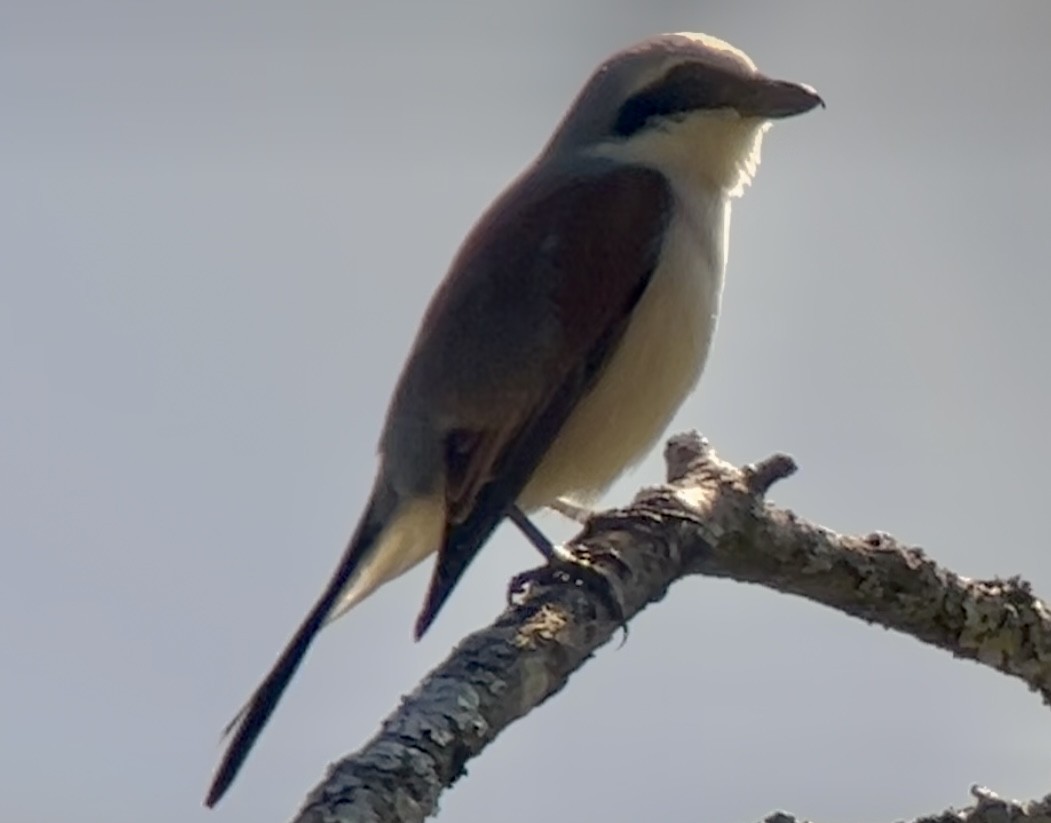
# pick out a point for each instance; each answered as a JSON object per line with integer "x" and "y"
{"x": 711, "y": 519}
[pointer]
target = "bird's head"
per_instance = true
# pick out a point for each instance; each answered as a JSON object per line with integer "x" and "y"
{"x": 690, "y": 105}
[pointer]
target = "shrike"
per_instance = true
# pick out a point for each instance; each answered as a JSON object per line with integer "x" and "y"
{"x": 574, "y": 320}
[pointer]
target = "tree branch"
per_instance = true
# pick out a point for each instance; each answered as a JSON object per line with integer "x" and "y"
{"x": 989, "y": 808}
{"x": 710, "y": 519}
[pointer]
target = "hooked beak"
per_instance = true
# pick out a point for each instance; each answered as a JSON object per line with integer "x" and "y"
{"x": 774, "y": 99}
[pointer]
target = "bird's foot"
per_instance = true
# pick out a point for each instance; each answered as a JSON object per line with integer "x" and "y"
{"x": 567, "y": 508}
{"x": 577, "y": 565}
{"x": 531, "y": 533}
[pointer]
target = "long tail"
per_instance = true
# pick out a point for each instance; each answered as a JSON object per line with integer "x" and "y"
{"x": 249, "y": 722}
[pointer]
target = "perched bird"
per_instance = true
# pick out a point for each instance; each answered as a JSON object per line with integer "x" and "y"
{"x": 574, "y": 320}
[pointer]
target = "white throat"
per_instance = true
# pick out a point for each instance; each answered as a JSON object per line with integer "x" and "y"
{"x": 718, "y": 149}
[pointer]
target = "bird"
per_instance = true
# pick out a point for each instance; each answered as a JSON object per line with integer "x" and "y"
{"x": 573, "y": 321}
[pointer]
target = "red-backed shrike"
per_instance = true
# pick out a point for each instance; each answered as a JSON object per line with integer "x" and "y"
{"x": 573, "y": 322}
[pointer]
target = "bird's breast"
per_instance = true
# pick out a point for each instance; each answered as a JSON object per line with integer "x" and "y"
{"x": 656, "y": 364}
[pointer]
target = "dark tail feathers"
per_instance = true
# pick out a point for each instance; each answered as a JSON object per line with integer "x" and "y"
{"x": 249, "y": 722}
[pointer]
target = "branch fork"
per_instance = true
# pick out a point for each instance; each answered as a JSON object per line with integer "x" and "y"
{"x": 711, "y": 518}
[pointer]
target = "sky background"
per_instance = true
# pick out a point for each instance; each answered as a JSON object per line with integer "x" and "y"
{"x": 219, "y": 225}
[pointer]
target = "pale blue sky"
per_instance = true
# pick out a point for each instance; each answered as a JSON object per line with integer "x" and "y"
{"x": 219, "y": 226}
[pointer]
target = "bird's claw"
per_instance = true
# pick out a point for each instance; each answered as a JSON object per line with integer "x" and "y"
{"x": 577, "y": 566}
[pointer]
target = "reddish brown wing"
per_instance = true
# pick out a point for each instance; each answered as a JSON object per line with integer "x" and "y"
{"x": 587, "y": 244}
{"x": 543, "y": 288}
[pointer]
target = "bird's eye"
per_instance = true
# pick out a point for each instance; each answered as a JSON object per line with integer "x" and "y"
{"x": 643, "y": 107}
{"x": 684, "y": 89}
